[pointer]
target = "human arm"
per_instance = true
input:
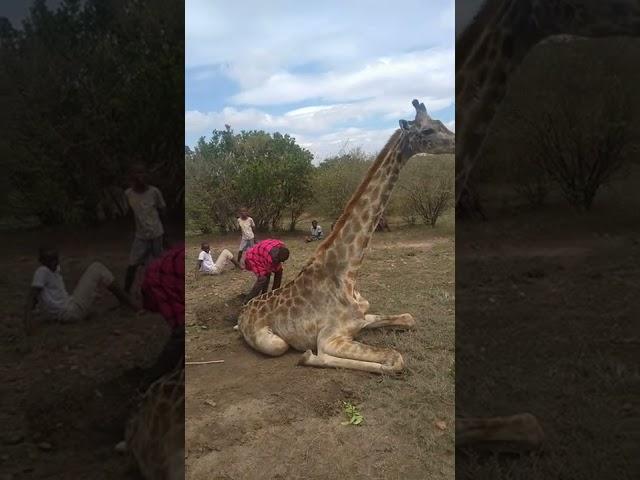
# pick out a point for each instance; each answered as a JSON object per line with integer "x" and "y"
{"x": 258, "y": 287}
{"x": 277, "y": 279}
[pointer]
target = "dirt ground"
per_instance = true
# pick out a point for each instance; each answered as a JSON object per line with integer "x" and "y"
{"x": 573, "y": 359}
{"x": 254, "y": 417}
{"x": 64, "y": 404}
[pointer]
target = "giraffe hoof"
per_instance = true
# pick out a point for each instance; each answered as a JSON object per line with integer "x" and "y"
{"x": 531, "y": 430}
{"x": 305, "y": 358}
{"x": 410, "y": 321}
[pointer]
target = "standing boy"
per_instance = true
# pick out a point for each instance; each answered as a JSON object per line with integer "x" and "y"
{"x": 246, "y": 224}
{"x": 148, "y": 205}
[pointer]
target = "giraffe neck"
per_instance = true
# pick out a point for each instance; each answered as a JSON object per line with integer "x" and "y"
{"x": 343, "y": 250}
{"x": 489, "y": 51}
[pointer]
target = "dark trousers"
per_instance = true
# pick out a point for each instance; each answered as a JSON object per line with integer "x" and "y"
{"x": 172, "y": 354}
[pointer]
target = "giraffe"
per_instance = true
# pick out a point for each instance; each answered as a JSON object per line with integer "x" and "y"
{"x": 494, "y": 45}
{"x": 321, "y": 310}
{"x": 155, "y": 433}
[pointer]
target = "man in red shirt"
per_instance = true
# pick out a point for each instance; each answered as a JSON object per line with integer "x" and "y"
{"x": 263, "y": 259}
{"x": 163, "y": 292}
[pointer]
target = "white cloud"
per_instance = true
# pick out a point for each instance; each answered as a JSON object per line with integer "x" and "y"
{"x": 350, "y": 65}
{"x": 424, "y": 71}
{"x": 256, "y": 39}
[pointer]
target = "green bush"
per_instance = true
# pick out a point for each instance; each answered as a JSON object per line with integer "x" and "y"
{"x": 267, "y": 173}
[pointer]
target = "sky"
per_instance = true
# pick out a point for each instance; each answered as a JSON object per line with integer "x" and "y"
{"x": 335, "y": 75}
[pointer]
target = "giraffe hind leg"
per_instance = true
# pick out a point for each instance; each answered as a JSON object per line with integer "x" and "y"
{"x": 400, "y": 321}
{"x": 267, "y": 342}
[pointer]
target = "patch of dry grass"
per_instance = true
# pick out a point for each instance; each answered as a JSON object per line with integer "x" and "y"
{"x": 408, "y": 270}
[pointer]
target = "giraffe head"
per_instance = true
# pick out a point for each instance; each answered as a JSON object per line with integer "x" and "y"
{"x": 425, "y": 135}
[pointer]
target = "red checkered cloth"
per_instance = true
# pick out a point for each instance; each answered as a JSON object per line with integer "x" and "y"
{"x": 258, "y": 260}
{"x": 163, "y": 286}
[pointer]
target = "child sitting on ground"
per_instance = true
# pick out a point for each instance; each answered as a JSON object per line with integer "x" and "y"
{"x": 49, "y": 294}
{"x": 316, "y": 232}
{"x": 206, "y": 265}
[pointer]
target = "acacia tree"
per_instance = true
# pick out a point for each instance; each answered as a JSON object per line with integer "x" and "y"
{"x": 426, "y": 188}
{"x": 582, "y": 153}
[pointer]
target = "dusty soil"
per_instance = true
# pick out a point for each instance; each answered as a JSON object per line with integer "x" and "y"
{"x": 547, "y": 322}
{"x": 65, "y": 403}
{"x": 254, "y": 417}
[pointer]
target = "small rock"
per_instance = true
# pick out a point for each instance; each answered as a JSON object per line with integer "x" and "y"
{"x": 627, "y": 407}
{"x": 74, "y": 367}
{"x": 211, "y": 403}
{"x": 4, "y": 458}
{"x": 46, "y": 446}
{"x": 117, "y": 333}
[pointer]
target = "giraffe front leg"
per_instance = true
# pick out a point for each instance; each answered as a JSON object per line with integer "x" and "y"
{"x": 340, "y": 351}
{"x": 405, "y": 320}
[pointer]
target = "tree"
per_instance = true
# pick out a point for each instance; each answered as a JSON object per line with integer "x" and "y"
{"x": 426, "y": 188}
{"x": 337, "y": 178}
{"x": 268, "y": 173}
{"x": 581, "y": 153}
{"x": 86, "y": 90}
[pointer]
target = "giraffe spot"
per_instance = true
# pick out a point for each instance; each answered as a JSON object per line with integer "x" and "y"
{"x": 348, "y": 239}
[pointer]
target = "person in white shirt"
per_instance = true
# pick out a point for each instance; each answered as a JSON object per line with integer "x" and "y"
{"x": 49, "y": 294}
{"x": 148, "y": 206}
{"x": 246, "y": 224}
{"x": 316, "y": 232}
{"x": 207, "y": 266}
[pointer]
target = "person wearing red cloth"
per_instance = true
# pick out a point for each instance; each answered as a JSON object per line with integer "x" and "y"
{"x": 263, "y": 259}
{"x": 163, "y": 292}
